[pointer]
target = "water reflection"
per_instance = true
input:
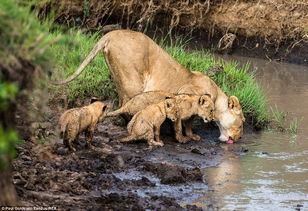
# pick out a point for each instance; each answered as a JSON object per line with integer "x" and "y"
{"x": 224, "y": 179}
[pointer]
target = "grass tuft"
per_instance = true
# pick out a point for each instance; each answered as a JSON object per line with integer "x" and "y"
{"x": 294, "y": 126}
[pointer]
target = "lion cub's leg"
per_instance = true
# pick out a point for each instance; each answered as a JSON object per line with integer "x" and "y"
{"x": 89, "y": 136}
{"x": 128, "y": 138}
{"x": 178, "y": 132}
{"x": 70, "y": 146}
{"x": 188, "y": 129}
{"x": 157, "y": 141}
{"x": 72, "y": 132}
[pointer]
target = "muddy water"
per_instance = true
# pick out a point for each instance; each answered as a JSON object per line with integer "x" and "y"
{"x": 273, "y": 174}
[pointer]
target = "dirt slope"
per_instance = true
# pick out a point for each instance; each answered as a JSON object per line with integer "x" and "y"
{"x": 270, "y": 28}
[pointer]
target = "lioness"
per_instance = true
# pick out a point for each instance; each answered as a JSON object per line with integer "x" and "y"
{"x": 146, "y": 123}
{"x": 137, "y": 64}
{"x": 141, "y": 101}
{"x": 76, "y": 120}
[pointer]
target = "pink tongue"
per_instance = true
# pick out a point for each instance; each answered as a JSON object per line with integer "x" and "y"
{"x": 230, "y": 141}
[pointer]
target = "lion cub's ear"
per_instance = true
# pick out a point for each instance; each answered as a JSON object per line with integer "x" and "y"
{"x": 105, "y": 108}
{"x": 205, "y": 100}
{"x": 234, "y": 103}
{"x": 93, "y": 99}
{"x": 169, "y": 104}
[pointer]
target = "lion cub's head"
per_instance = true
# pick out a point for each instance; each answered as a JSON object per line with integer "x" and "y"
{"x": 206, "y": 108}
{"x": 171, "y": 109}
{"x": 100, "y": 108}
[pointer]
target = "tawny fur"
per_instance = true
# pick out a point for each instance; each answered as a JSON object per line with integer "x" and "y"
{"x": 137, "y": 64}
{"x": 146, "y": 123}
{"x": 141, "y": 101}
{"x": 76, "y": 120}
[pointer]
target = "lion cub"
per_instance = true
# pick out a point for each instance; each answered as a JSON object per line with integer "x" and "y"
{"x": 188, "y": 106}
{"x": 141, "y": 101}
{"x": 146, "y": 123}
{"x": 76, "y": 120}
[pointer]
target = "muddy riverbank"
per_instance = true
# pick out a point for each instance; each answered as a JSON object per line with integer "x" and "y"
{"x": 114, "y": 175}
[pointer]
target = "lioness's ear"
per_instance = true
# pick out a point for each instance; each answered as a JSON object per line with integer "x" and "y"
{"x": 204, "y": 100}
{"x": 105, "y": 107}
{"x": 168, "y": 97}
{"x": 233, "y": 102}
{"x": 93, "y": 99}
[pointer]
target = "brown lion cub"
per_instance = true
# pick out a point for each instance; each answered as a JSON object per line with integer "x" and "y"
{"x": 146, "y": 123}
{"x": 76, "y": 120}
{"x": 141, "y": 101}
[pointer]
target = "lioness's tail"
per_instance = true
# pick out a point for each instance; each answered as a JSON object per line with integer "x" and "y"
{"x": 100, "y": 45}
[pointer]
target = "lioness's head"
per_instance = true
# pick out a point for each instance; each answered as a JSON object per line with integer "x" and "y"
{"x": 171, "y": 109}
{"x": 230, "y": 120}
{"x": 206, "y": 108}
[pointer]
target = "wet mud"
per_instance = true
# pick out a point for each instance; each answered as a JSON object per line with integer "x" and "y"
{"x": 114, "y": 175}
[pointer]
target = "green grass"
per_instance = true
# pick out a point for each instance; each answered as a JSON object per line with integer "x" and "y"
{"x": 68, "y": 54}
{"x": 278, "y": 118}
{"x": 23, "y": 36}
{"x": 294, "y": 126}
